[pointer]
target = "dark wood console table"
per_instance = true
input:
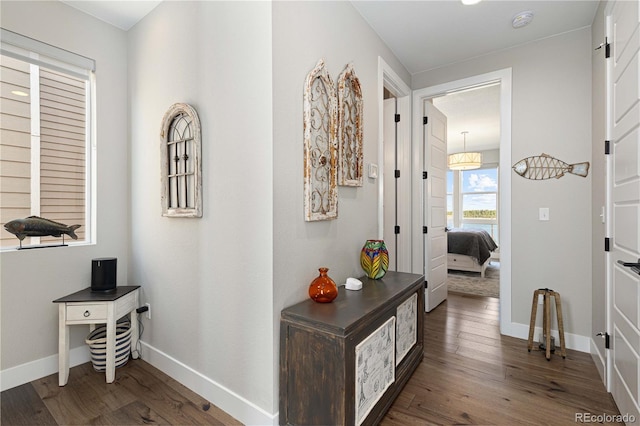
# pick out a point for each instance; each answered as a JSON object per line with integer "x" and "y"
{"x": 345, "y": 362}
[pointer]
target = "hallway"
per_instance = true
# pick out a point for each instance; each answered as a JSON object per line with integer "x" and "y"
{"x": 472, "y": 375}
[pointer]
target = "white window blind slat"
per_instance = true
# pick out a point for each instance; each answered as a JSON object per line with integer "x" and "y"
{"x": 38, "y": 53}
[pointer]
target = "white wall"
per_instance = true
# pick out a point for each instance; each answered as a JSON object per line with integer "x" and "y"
{"x": 304, "y": 32}
{"x": 32, "y": 279}
{"x": 491, "y": 157}
{"x": 301, "y": 36}
{"x": 217, "y": 285}
{"x": 551, "y": 113}
{"x": 209, "y": 280}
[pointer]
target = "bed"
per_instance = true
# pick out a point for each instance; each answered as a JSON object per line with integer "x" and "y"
{"x": 469, "y": 250}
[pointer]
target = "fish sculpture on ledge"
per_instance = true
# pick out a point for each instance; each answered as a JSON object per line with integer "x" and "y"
{"x": 34, "y": 226}
{"x": 544, "y": 166}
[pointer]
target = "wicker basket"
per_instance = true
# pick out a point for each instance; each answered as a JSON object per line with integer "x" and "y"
{"x": 97, "y": 341}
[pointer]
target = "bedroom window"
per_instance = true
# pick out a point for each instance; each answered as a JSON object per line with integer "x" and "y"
{"x": 45, "y": 148}
{"x": 479, "y": 200}
{"x": 472, "y": 200}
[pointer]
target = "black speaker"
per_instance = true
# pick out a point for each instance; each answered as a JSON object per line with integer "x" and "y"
{"x": 103, "y": 274}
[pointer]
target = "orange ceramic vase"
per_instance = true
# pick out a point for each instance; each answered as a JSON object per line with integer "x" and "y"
{"x": 323, "y": 289}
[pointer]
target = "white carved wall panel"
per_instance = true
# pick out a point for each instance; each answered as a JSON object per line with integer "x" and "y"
{"x": 320, "y": 146}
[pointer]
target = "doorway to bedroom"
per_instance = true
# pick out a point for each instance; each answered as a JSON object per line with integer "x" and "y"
{"x": 426, "y": 95}
{"x": 473, "y": 193}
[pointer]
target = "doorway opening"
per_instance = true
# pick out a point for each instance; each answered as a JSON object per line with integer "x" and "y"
{"x": 473, "y": 126}
{"x": 502, "y": 79}
{"x": 394, "y": 181}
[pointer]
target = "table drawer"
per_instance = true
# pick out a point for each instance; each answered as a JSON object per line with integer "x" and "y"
{"x": 126, "y": 304}
{"x": 89, "y": 311}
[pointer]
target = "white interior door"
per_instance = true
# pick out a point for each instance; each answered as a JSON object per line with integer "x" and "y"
{"x": 434, "y": 162}
{"x": 390, "y": 194}
{"x": 624, "y": 206}
{"x": 396, "y": 145}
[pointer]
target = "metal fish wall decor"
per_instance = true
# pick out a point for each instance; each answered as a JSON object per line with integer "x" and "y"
{"x": 34, "y": 226}
{"x": 544, "y": 166}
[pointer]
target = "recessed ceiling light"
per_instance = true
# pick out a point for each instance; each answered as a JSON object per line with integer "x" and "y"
{"x": 470, "y": 2}
{"x": 522, "y": 19}
{"x": 19, "y": 93}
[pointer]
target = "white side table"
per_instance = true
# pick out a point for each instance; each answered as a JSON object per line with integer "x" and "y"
{"x": 87, "y": 307}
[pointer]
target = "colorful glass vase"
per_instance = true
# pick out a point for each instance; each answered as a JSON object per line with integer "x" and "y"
{"x": 323, "y": 289}
{"x": 374, "y": 259}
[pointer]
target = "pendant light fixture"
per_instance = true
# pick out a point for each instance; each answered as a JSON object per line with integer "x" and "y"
{"x": 465, "y": 160}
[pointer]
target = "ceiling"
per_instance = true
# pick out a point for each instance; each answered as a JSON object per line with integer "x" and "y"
{"x": 476, "y": 111}
{"x": 123, "y": 14}
{"x": 430, "y": 34}
{"x": 437, "y": 33}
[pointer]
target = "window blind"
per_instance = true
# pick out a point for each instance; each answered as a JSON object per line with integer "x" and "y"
{"x": 38, "y": 53}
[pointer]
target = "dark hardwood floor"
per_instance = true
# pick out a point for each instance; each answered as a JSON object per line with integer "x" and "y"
{"x": 141, "y": 394}
{"x": 470, "y": 375}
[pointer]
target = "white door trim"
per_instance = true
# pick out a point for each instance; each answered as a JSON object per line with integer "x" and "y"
{"x": 388, "y": 78}
{"x": 419, "y": 96}
{"x": 606, "y": 357}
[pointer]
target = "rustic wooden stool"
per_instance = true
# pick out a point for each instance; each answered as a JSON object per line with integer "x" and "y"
{"x": 546, "y": 321}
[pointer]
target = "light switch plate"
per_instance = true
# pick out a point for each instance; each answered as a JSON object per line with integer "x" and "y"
{"x": 544, "y": 213}
{"x": 373, "y": 171}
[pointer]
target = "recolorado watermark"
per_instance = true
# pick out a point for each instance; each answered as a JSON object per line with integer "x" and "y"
{"x": 604, "y": 418}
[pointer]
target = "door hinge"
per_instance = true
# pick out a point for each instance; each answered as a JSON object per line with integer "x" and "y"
{"x": 396, "y": 118}
{"x": 424, "y": 175}
{"x": 396, "y": 229}
{"x": 607, "y": 147}
{"x": 607, "y": 244}
{"x": 425, "y": 120}
{"x": 425, "y": 230}
{"x": 397, "y": 173}
{"x": 607, "y": 340}
{"x": 426, "y": 283}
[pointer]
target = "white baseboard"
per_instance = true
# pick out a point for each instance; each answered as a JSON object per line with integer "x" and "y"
{"x": 223, "y": 398}
{"x": 33, "y": 370}
{"x": 599, "y": 361}
{"x": 572, "y": 341}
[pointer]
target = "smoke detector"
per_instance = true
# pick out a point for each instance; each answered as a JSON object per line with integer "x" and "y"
{"x": 522, "y": 19}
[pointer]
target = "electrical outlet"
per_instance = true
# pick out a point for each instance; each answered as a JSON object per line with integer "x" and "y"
{"x": 148, "y": 305}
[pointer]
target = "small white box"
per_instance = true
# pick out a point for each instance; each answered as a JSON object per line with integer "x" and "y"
{"x": 353, "y": 284}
